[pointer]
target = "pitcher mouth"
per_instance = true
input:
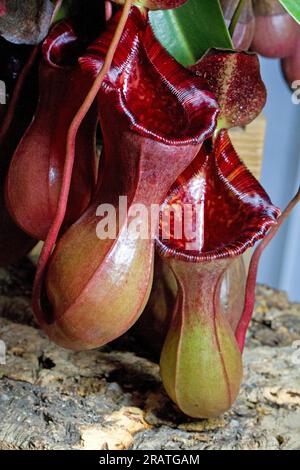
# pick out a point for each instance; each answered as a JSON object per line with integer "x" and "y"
{"x": 160, "y": 98}
{"x": 233, "y": 209}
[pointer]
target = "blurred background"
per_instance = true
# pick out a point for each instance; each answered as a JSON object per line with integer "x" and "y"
{"x": 280, "y": 265}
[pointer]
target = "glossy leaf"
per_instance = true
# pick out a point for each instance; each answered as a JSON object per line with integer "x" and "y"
{"x": 189, "y": 31}
{"x": 293, "y": 7}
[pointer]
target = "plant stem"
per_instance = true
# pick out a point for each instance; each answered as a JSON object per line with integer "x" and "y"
{"x": 236, "y": 16}
{"x": 70, "y": 155}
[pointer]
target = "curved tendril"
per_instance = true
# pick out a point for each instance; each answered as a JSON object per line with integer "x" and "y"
{"x": 251, "y": 280}
{"x": 70, "y": 155}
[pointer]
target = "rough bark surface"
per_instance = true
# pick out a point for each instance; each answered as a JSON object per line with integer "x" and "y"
{"x": 112, "y": 398}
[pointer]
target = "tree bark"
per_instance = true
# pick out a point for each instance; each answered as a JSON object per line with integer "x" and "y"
{"x": 112, "y": 398}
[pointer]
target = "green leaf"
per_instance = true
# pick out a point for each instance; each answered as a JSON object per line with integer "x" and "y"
{"x": 293, "y": 8}
{"x": 189, "y": 31}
